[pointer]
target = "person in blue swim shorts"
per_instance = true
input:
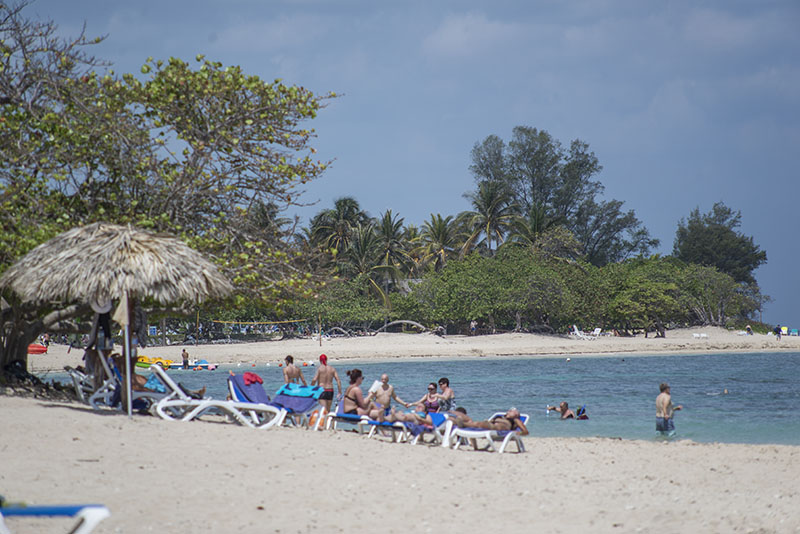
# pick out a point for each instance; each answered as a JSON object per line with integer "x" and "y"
{"x": 665, "y": 410}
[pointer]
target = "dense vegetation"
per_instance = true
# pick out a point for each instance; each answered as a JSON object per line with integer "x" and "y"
{"x": 217, "y": 157}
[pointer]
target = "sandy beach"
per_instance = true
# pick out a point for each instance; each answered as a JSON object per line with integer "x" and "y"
{"x": 405, "y": 346}
{"x": 214, "y": 476}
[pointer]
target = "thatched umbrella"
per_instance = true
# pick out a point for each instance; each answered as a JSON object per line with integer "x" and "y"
{"x": 103, "y": 262}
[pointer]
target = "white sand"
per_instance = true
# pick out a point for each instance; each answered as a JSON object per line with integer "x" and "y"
{"x": 159, "y": 476}
{"x": 212, "y": 476}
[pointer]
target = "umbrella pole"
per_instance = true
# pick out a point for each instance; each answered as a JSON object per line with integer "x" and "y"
{"x": 128, "y": 369}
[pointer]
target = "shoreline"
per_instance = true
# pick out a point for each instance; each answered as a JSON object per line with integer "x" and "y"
{"x": 396, "y": 347}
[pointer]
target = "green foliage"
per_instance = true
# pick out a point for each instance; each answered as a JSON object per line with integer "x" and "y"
{"x": 343, "y": 302}
{"x": 553, "y": 187}
{"x": 711, "y": 239}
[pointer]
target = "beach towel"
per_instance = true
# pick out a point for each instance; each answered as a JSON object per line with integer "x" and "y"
{"x": 297, "y": 390}
{"x": 252, "y": 378}
{"x": 252, "y": 392}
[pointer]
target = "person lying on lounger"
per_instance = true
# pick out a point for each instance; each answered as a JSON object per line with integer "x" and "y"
{"x": 509, "y": 421}
{"x": 418, "y": 416}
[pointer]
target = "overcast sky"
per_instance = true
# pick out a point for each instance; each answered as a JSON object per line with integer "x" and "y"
{"x": 685, "y": 103}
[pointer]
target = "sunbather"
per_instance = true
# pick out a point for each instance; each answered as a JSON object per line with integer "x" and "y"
{"x": 354, "y": 402}
{"x": 510, "y": 421}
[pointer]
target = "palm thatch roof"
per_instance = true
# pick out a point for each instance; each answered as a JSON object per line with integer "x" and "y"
{"x": 101, "y": 262}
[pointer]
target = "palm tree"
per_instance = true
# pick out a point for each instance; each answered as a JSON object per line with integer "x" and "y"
{"x": 332, "y": 228}
{"x": 439, "y": 239}
{"x": 394, "y": 247}
{"x": 492, "y": 216}
{"x": 363, "y": 257}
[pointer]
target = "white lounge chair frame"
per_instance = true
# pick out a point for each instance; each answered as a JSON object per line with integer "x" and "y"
{"x": 178, "y": 406}
{"x": 577, "y": 332}
{"x": 456, "y": 436}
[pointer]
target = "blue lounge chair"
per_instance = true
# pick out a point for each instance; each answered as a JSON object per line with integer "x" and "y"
{"x": 88, "y": 515}
{"x": 332, "y": 419}
{"x": 296, "y": 400}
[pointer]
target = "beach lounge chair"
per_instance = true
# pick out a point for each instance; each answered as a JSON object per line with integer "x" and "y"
{"x": 577, "y": 332}
{"x": 82, "y": 382}
{"x": 299, "y": 402}
{"x": 88, "y": 516}
{"x": 456, "y": 436}
{"x": 178, "y": 405}
{"x": 332, "y": 419}
{"x": 437, "y": 431}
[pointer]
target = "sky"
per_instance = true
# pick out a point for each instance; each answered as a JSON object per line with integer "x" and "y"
{"x": 685, "y": 103}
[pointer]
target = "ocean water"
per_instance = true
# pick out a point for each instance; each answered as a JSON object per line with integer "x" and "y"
{"x": 619, "y": 391}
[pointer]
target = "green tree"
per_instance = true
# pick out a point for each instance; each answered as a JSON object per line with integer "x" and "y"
{"x": 711, "y": 239}
{"x": 439, "y": 240}
{"x": 551, "y": 186}
{"x": 492, "y": 215}
{"x": 332, "y": 228}
{"x": 189, "y": 151}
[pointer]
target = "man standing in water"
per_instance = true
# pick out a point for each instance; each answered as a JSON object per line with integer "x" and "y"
{"x": 291, "y": 373}
{"x": 324, "y": 378}
{"x": 665, "y": 411}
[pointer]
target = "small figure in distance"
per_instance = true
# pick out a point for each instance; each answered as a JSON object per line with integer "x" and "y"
{"x": 563, "y": 409}
{"x": 749, "y": 330}
{"x": 777, "y": 332}
{"x": 185, "y": 357}
{"x": 291, "y": 373}
{"x": 665, "y": 411}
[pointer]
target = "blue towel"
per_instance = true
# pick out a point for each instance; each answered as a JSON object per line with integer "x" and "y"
{"x": 296, "y": 390}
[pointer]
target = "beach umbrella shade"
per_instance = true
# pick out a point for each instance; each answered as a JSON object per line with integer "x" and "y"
{"x": 102, "y": 262}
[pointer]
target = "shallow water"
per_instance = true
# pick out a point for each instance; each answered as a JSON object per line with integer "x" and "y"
{"x": 619, "y": 392}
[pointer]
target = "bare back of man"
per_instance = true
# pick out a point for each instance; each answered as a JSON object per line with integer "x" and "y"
{"x": 292, "y": 374}
{"x": 324, "y": 378}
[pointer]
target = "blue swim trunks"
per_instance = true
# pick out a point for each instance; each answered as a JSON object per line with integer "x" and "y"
{"x": 664, "y": 425}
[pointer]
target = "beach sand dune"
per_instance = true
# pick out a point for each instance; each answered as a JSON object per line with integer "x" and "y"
{"x": 208, "y": 476}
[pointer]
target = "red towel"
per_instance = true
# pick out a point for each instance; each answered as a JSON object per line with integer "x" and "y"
{"x": 251, "y": 378}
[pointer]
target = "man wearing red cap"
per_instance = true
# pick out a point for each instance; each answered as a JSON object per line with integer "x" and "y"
{"x": 324, "y": 378}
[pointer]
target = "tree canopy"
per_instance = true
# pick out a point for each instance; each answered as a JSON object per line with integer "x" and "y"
{"x": 549, "y": 186}
{"x": 711, "y": 239}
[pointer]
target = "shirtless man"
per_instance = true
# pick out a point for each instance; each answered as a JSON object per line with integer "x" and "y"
{"x": 291, "y": 373}
{"x": 510, "y": 421}
{"x": 665, "y": 411}
{"x": 384, "y": 395}
{"x": 564, "y": 410}
{"x": 324, "y": 378}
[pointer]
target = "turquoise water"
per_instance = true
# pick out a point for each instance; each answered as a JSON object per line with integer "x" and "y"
{"x": 619, "y": 392}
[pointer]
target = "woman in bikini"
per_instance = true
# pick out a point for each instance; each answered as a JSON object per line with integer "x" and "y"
{"x": 354, "y": 402}
{"x": 430, "y": 400}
